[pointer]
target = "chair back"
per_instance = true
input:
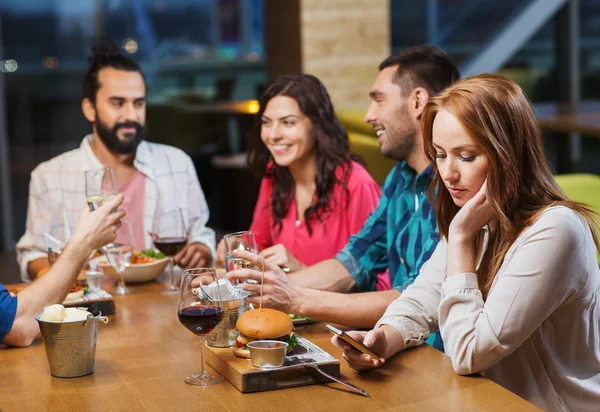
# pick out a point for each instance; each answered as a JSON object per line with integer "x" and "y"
{"x": 584, "y": 188}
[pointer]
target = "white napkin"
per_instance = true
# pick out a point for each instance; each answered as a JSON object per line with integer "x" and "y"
{"x": 53, "y": 243}
{"x": 225, "y": 291}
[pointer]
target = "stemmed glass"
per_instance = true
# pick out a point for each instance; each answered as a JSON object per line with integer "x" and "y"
{"x": 199, "y": 315}
{"x": 119, "y": 254}
{"x": 170, "y": 237}
{"x": 100, "y": 185}
{"x": 239, "y": 241}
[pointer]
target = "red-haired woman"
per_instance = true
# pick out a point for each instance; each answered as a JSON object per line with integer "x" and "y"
{"x": 514, "y": 284}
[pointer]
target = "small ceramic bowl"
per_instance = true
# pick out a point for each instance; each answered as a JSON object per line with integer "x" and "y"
{"x": 267, "y": 353}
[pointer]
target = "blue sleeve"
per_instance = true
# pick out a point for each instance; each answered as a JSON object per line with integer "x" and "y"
{"x": 365, "y": 255}
{"x": 8, "y": 311}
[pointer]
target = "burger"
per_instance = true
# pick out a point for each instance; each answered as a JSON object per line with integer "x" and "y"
{"x": 77, "y": 289}
{"x": 259, "y": 324}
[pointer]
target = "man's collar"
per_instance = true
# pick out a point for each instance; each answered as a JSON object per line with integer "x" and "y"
{"x": 406, "y": 169}
{"x": 89, "y": 153}
{"x": 142, "y": 161}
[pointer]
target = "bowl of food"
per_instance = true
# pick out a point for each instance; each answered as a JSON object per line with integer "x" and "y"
{"x": 145, "y": 266}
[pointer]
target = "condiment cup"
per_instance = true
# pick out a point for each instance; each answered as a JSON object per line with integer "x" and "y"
{"x": 267, "y": 353}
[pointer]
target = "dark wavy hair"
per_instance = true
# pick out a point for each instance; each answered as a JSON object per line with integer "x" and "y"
{"x": 105, "y": 54}
{"x": 331, "y": 147}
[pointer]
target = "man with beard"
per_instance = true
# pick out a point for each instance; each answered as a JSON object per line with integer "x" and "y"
{"x": 401, "y": 234}
{"x": 152, "y": 177}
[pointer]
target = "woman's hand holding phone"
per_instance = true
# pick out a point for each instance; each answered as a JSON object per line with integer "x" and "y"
{"x": 374, "y": 341}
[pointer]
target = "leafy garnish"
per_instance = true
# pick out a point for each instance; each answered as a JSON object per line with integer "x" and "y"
{"x": 299, "y": 317}
{"x": 151, "y": 253}
{"x": 292, "y": 341}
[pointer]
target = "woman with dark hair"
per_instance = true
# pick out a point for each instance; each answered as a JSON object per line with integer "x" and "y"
{"x": 313, "y": 196}
{"x": 514, "y": 284}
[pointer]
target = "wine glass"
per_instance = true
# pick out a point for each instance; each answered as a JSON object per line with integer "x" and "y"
{"x": 239, "y": 241}
{"x": 119, "y": 254}
{"x": 100, "y": 185}
{"x": 199, "y": 315}
{"x": 170, "y": 237}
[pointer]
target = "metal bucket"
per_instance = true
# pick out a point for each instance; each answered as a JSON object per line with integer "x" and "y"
{"x": 70, "y": 346}
{"x": 225, "y": 334}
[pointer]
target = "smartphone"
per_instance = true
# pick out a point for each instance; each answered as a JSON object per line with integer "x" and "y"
{"x": 345, "y": 337}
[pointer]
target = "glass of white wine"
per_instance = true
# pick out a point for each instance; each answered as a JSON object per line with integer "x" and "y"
{"x": 239, "y": 241}
{"x": 100, "y": 185}
{"x": 119, "y": 255}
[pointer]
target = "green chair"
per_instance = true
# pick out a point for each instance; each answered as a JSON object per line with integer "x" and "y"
{"x": 584, "y": 188}
{"x": 363, "y": 142}
{"x": 353, "y": 121}
{"x": 378, "y": 166}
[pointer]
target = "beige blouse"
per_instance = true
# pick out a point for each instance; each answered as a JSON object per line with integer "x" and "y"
{"x": 538, "y": 332}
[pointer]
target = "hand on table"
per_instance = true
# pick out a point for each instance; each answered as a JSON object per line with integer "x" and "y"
{"x": 279, "y": 291}
{"x": 280, "y": 256}
{"x": 193, "y": 255}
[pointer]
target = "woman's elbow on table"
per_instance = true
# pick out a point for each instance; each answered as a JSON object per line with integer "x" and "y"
{"x": 463, "y": 368}
{"x": 464, "y": 361}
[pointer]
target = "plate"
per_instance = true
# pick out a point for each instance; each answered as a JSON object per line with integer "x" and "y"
{"x": 298, "y": 320}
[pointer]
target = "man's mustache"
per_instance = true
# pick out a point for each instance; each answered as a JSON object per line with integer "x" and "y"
{"x": 128, "y": 125}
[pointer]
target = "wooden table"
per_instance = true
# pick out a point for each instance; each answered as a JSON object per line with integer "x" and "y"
{"x": 144, "y": 354}
{"x": 564, "y": 119}
{"x": 583, "y": 117}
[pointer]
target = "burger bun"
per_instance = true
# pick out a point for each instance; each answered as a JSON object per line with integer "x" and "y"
{"x": 264, "y": 324}
{"x": 241, "y": 352}
{"x": 74, "y": 295}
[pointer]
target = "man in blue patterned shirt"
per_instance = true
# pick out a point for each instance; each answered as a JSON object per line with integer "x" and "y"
{"x": 401, "y": 234}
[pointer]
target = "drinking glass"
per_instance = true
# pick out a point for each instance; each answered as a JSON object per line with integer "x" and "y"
{"x": 239, "y": 241}
{"x": 119, "y": 254}
{"x": 199, "y": 316}
{"x": 100, "y": 185}
{"x": 170, "y": 237}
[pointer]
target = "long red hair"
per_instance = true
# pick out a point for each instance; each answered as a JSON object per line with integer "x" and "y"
{"x": 497, "y": 115}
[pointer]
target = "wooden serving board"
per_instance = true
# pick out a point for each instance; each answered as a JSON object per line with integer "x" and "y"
{"x": 96, "y": 302}
{"x": 246, "y": 378}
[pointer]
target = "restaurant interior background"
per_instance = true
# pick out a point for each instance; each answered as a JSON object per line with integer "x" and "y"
{"x": 196, "y": 53}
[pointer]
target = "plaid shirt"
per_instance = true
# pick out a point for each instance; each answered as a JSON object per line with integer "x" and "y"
{"x": 401, "y": 234}
{"x": 57, "y": 194}
{"x": 397, "y": 235}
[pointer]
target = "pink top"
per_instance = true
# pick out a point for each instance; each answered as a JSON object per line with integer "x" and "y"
{"x": 133, "y": 204}
{"x": 346, "y": 218}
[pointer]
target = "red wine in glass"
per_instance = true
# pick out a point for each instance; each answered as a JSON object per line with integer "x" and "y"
{"x": 200, "y": 319}
{"x": 170, "y": 246}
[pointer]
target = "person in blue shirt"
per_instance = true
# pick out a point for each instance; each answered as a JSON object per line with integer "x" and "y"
{"x": 401, "y": 234}
{"x": 18, "y": 326}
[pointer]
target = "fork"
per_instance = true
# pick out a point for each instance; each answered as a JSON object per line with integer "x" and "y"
{"x": 311, "y": 363}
